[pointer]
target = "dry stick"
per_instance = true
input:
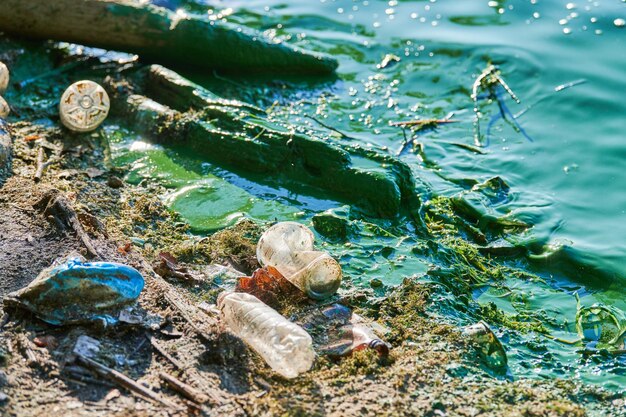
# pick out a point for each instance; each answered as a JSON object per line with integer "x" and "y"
{"x": 60, "y": 208}
{"x": 171, "y": 296}
{"x": 125, "y": 382}
{"x": 183, "y": 389}
{"x": 422, "y": 122}
{"x": 159, "y": 348}
{"x": 24, "y": 345}
{"x": 42, "y": 165}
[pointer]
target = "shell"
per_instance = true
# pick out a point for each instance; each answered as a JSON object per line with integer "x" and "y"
{"x": 4, "y": 77}
{"x": 84, "y": 106}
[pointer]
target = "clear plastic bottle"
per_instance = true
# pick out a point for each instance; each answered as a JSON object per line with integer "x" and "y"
{"x": 4, "y": 77}
{"x": 286, "y": 347}
{"x": 288, "y": 246}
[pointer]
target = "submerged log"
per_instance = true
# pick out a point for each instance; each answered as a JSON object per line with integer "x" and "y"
{"x": 157, "y": 34}
{"x": 239, "y": 138}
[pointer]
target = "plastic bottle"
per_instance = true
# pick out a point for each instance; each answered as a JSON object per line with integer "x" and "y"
{"x": 285, "y": 346}
{"x": 288, "y": 246}
{"x": 4, "y": 77}
{"x": 4, "y": 108}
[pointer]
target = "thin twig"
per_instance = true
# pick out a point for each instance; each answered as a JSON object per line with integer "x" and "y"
{"x": 159, "y": 348}
{"x": 183, "y": 389}
{"x": 125, "y": 382}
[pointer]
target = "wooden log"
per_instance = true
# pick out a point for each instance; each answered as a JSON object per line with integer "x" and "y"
{"x": 158, "y": 35}
{"x": 255, "y": 145}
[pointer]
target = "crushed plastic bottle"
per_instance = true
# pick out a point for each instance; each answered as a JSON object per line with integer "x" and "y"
{"x": 285, "y": 346}
{"x": 83, "y": 106}
{"x": 288, "y": 246}
{"x": 4, "y": 77}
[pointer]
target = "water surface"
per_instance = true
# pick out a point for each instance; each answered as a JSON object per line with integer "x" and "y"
{"x": 566, "y": 61}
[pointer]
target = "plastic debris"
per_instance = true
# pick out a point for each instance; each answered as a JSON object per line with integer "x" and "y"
{"x": 84, "y": 106}
{"x": 269, "y": 286}
{"x": 86, "y": 346}
{"x": 4, "y": 77}
{"x": 602, "y": 326}
{"x": 168, "y": 267}
{"x": 288, "y": 246}
{"x": 286, "y": 347}
{"x": 74, "y": 291}
{"x": 488, "y": 343}
{"x": 5, "y": 109}
{"x": 354, "y": 337}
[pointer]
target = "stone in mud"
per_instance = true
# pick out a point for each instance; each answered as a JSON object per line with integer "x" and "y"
{"x": 74, "y": 291}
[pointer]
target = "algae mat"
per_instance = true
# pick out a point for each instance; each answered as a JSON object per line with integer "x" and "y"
{"x": 407, "y": 60}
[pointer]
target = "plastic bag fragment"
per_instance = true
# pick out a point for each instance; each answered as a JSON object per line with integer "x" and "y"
{"x": 75, "y": 291}
{"x": 269, "y": 286}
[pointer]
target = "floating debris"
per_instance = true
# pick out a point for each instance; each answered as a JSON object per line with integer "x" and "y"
{"x": 601, "y": 326}
{"x": 84, "y": 106}
{"x": 489, "y": 346}
{"x": 389, "y": 60}
{"x": 286, "y": 347}
{"x": 75, "y": 291}
{"x": 490, "y": 81}
{"x": 288, "y": 246}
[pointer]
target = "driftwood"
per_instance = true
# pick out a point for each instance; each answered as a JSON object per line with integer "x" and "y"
{"x": 241, "y": 138}
{"x": 157, "y": 34}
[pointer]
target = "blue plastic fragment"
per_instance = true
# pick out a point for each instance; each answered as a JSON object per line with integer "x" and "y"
{"x": 77, "y": 291}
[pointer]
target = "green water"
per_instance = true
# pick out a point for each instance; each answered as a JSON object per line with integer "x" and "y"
{"x": 567, "y": 181}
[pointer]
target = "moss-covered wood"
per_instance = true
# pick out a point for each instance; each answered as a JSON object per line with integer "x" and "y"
{"x": 239, "y": 137}
{"x": 157, "y": 34}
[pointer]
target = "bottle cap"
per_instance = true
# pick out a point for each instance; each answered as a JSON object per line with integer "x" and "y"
{"x": 84, "y": 105}
{"x": 4, "y": 77}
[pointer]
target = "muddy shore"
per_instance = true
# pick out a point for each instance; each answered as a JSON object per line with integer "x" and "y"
{"x": 431, "y": 370}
